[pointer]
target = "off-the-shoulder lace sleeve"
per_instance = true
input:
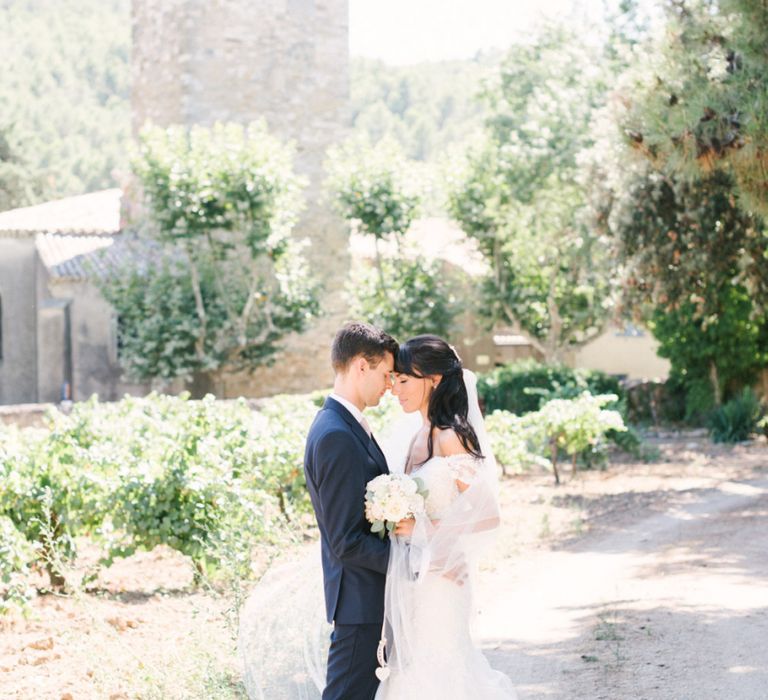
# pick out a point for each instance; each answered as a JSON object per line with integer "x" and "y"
{"x": 464, "y": 467}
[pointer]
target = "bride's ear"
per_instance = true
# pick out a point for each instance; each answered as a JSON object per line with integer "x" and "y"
{"x": 436, "y": 379}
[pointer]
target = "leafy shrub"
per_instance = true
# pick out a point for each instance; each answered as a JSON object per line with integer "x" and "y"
{"x": 515, "y": 441}
{"x": 577, "y": 425}
{"x": 208, "y": 478}
{"x": 279, "y": 453}
{"x": 736, "y": 419}
{"x": 418, "y": 296}
{"x": 717, "y": 345}
{"x": 699, "y": 399}
{"x": 52, "y": 488}
{"x": 16, "y": 553}
{"x": 524, "y": 386}
{"x": 192, "y": 481}
{"x": 627, "y": 440}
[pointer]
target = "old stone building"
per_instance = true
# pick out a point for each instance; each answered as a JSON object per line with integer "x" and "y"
{"x": 58, "y": 334}
{"x": 194, "y": 62}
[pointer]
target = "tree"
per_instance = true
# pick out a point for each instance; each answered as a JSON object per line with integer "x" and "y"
{"x": 521, "y": 196}
{"x": 16, "y": 183}
{"x": 673, "y": 190}
{"x": 696, "y": 270}
{"x": 703, "y": 105}
{"x": 421, "y": 296}
{"x": 226, "y": 282}
{"x": 427, "y": 108}
{"x": 65, "y": 89}
{"x": 65, "y": 84}
{"x": 369, "y": 187}
{"x": 714, "y": 358}
{"x": 403, "y": 293}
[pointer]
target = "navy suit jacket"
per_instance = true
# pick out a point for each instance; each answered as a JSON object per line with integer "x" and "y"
{"x": 339, "y": 460}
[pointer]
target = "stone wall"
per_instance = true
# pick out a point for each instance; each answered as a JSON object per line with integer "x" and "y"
{"x": 287, "y": 61}
{"x": 54, "y": 361}
{"x": 30, "y": 415}
{"x": 615, "y": 352}
{"x": 18, "y": 366}
{"x": 94, "y": 365}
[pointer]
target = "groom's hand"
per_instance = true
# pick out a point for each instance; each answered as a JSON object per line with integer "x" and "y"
{"x": 404, "y": 527}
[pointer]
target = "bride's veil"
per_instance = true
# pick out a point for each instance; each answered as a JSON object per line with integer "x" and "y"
{"x": 283, "y": 638}
{"x": 475, "y": 418}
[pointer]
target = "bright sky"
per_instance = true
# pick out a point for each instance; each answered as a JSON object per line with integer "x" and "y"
{"x": 409, "y": 31}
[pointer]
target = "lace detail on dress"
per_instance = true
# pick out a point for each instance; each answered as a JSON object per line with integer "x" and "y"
{"x": 438, "y": 479}
{"x": 440, "y": 475}
{"x": 463, "y": 467}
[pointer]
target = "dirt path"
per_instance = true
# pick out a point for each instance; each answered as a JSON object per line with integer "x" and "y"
{"x": 668, "y": 605}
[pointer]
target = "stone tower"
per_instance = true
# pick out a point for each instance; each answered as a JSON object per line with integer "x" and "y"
{"x": 201, "y": 61}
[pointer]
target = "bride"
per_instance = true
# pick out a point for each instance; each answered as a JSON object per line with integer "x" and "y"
{"x": 428, "y": 600}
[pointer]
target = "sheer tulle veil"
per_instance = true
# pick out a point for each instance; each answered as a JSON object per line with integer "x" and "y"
{"x": 283, "y": 638}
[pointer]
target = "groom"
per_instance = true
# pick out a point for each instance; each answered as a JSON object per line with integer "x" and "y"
{"x": 341, "y": 457}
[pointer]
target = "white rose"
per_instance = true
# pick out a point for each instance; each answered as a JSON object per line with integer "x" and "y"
{"x": 395, "y": 509}
{"x": 378, "y": 484}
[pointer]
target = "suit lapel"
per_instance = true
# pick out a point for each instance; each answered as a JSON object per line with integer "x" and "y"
{"x": 369, "y": 443}
{"x": 383, "y": 459}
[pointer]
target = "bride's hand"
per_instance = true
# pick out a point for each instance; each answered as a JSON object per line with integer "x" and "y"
{"x": 404, "y": 527}
{"x": 458, "y": 574}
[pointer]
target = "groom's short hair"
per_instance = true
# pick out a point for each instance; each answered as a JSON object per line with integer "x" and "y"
{"x": 359, "y": 338}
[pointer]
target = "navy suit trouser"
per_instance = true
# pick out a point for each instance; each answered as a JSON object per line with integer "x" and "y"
{"x": 352, "y": 662}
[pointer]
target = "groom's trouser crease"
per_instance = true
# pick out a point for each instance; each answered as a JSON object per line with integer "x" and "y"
{"x": 352, "y": 662}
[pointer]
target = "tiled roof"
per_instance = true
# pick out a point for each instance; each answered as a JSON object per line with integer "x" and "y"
{"x": 96, "y": 213}
{"x": 64, "y": 255}
{"x": 77, "y": 257}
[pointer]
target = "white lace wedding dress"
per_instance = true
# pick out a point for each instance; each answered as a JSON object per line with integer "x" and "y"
{"x": 431, "y": 655}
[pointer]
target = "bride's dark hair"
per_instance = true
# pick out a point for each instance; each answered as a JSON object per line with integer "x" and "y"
{"x": 424, "y": 356}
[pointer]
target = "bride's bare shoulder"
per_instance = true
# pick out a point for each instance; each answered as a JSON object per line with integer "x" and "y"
{"x": 449, "y": 443}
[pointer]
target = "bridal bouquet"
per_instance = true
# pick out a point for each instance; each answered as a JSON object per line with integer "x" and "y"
{"x": 392, "y": 497}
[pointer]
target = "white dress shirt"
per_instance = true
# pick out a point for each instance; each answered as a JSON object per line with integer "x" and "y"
{"x": 354, "y": 410}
